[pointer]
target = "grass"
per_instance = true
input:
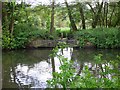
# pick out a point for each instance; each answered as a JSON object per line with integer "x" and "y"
{"x": 62, "y": 29}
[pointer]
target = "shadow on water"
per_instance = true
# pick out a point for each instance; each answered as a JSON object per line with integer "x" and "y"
{"x": 32, "y": 68}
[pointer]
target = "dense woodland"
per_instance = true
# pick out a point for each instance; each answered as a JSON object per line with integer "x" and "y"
{"x": 95, "y": 22}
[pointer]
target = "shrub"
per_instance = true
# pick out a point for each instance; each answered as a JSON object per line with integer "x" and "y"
{"x": 100, "y": 37}
{"x": 23, "y": 34}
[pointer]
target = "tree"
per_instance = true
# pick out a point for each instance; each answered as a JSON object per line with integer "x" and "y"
{"x": 11, "y": 25}
{"x": 52, "y": 17}
{"x": 8, "y": 11}
{"x": 112, "y": 6}
{"x": 82, "y": 15}
{"x": 5, "y": 21}
{"x": 42, "y": 12}
{"x": 74, "y": 27}
{"x": 96, "y": 14}
{"x": 106, "y": 13}
{"x": 118, "y": 15}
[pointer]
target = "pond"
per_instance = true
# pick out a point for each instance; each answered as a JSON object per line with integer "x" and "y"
{"x": 32, "y": 68}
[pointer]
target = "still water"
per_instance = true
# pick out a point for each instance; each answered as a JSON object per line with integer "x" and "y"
{"x": 32, "y": 68}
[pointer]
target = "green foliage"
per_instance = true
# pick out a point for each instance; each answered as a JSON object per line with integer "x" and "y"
{"x": 67, "y": 71}
{"x": 6, "y": 41}
{"x": 105, "y": 74}
{"x": 23, "y": 34}
{"x": 100, "y": 37}
{"x": 66, "y": 74}
{"x": 30, "y": 23}
{"x": 63, "y": 32}
{"x": 9, "y": 42}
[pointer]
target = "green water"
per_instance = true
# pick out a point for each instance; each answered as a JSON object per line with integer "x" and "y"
{"x": 31, "y": 68}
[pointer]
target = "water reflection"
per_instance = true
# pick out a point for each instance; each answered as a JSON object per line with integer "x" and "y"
{"x": 67, "y": 53}
{"x": 31, "y": 68}
{"x": 35, "y": 76}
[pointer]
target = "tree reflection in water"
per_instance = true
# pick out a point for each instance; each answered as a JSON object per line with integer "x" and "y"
{"x": 32, "y": 68}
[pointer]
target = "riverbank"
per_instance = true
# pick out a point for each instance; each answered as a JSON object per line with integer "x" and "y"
{"x": 89, "y": 38}
{"x": 50, "y": 44}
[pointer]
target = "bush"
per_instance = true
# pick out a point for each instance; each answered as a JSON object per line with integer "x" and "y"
{"x": 11, "y": 42}
{"x": 23, "y": 34}
{"x": 100, "y": 37}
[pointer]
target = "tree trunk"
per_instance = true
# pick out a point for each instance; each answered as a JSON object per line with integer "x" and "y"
{"x": 52, "y": 18}
{"x": 53, "y": 68}
{"x": 5, "y": 22}
{"x": 53, "y": 65}
{"x": 118, "y": 15}
{"x": 97, "y": 16}
{"x": 11, "y": 25}
{"x": 82, "y": 16}
{"x": 106, "y": 12}
{"x": 104, "y": 15}
{"x": 74, "y": 27}
{"x": 93, "y": 11}
{"x": 110, "y": 19}
{"x": 91, "y": 8}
